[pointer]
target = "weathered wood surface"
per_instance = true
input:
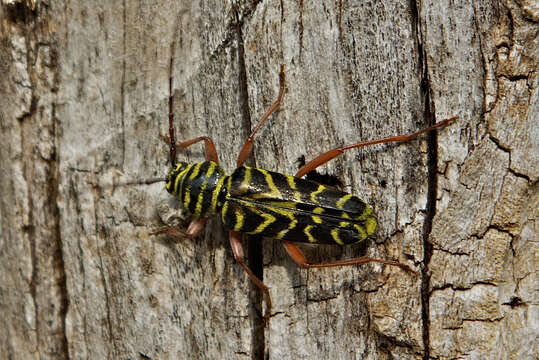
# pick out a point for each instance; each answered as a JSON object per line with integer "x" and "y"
{"x": 83, "y": 97}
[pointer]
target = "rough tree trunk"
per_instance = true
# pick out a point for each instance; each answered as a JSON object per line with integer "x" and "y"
{"x": 83, "y": 97}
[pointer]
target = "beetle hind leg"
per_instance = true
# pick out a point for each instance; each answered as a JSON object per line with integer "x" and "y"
{"x": 333, "y": 153}
{"x": 237, "y": 250}
{"x": 297, "y": 255}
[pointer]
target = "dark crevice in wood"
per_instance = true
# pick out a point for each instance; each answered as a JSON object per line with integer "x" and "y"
{"x": 46, "y": 254}
{"x": 28, "y": 169}
{"x": 388, "y": 344}
{"x": 514, "y": 302}
{"x": 53, "y": 210}
{"x": 519, "y": 175}
{"x": 432, "y": 178}
{"x": 122, "y": 83}
{"x": 106, "y": 292}
{"x": 499, "y": 144}
{"x": 29, "y": 228}
{"x": 20, "y": 12}
{"x": 432, "y": 163}
{"x": 28, "y": 175}
{"x": 301, "y": 27}
{"x": 254, "y": 245}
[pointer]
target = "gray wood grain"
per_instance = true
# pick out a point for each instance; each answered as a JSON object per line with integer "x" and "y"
{"x": 84, "y": 96}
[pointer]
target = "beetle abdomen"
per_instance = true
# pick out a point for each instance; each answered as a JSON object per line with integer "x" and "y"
{"x": 284, "y": 207}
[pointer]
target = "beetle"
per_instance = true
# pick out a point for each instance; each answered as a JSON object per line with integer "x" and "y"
{"x": 256, "y": 201}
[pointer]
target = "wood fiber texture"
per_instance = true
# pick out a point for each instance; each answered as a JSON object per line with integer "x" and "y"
{"x": 84, "y": 96}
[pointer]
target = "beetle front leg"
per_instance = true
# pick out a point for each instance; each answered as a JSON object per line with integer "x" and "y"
{"x": 194, "y": 228}
{"x": 209, "y": 146}
{"x": 297, "y": 255}
{"x": 237, "y": 250}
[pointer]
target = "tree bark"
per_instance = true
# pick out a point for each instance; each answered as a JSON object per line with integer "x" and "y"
{"x": 84, "y": 97}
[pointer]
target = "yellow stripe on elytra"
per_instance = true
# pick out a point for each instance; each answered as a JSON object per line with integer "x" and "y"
{"x": 361, "y": 231}
{"x": 245, "y": 182}
{"x": 365, "y": 214}
{"x": 314, "y": 194}
{"x": 343, "y": 200}
{"x": 292, "y": 183}
{"x": 268, "y": 219}
{"x": 370, "y": 225}
{"x": 274, "y": 192}
{"x": 336, "y": 237}
{"x": 281, "y": 204}
{"x": 318, "y": 210}
{"x": 316, "y": 219}
{"x": 288, "y": 214}
{"x": 307, "y": 232}
{"x": 283, "y": 232}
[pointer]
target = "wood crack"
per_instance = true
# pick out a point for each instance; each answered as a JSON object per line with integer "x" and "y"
{"x": 432, "y": 159}
{"x": 254, "y": 248}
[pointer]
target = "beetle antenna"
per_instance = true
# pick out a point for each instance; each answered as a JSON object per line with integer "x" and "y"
{"x": 171, "y": 101}
{"x": 139, "y": 182}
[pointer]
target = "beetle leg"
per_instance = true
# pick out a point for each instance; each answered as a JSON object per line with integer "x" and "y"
{"x": 248, "y": 145}
{"x": 332, "y": 154}
{"x": 209, "y": 146}
{"x": 237, "y": 250}
{"x": 195, "y": 226}
{"x": 300, "y": 259}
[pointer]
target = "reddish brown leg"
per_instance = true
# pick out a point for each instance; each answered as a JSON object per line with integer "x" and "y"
{"x": 237, "y": 250}
{"x": 248, "y": 145}
{"x": 195, "y": 226}
{"x": 209, "y": 146}
{"x": 300, "y": 259}
{"x": 211, "y": 153}
{"x": 331, "y": 154}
